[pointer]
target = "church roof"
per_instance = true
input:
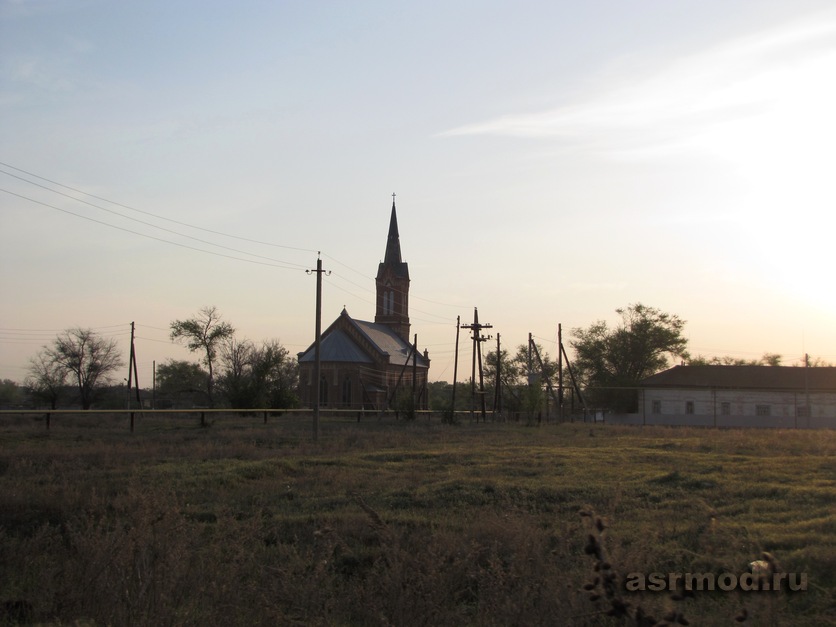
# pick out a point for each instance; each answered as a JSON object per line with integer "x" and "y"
{"x": 393, "y": 243}
{"x": 338, "y": 345}
{"x": 387, "y": 341}
{"x": 392, "y": 258}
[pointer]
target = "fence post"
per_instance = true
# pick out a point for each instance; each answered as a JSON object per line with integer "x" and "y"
{"x": 132, "y": 422}
{"x": 47, "y": 421}
{"x": 265, "y": 416}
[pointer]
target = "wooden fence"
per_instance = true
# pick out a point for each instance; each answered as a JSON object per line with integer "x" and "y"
{"x": 264, "y": 413}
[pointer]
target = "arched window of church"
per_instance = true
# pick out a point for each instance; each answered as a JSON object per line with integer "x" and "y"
{"x": 347, "y": 391}
{"x": 323, "y": 391}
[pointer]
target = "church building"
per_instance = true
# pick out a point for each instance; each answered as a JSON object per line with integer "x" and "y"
{"x": 371, "y": 365}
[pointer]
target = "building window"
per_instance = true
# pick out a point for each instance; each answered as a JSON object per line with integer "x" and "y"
{"x": 763, "y": 410}
{"x": 689, "y": 407}
{"x": 725, "y": 408}
{"x": 323, "y": 391}
{"x": 347, "y": 391}
{"x": 388, "y": 301}
{"x": 657, "y": 407}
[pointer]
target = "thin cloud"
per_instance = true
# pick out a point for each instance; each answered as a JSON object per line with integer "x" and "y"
{"x": 744, "y": 79}
{"x": 619, "y": 286}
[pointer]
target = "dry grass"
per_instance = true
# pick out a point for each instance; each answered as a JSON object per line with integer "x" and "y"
{"x": 393, "y": 523}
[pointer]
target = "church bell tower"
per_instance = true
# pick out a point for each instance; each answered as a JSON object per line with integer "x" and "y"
{"x": 392, "y": 284}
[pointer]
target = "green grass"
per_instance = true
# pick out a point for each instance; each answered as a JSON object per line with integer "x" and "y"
{"x": 395, "y": 523}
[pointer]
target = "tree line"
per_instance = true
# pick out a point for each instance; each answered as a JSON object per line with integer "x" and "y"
{"x": 607, "y": 365}
{"x": 79, "y": 368}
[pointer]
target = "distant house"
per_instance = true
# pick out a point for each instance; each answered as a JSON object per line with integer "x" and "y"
{"x": 738, "y": 396}
{"x": 365, "y": 365}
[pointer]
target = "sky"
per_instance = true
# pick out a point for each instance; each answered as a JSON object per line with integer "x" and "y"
{"x": 552, "y": 161}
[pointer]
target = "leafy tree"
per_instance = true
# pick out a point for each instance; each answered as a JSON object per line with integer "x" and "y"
{"x": 700, "y": 360}
{"x": 521, "y": 377}
{"x": 46, "y": 379}
{"x": 511, "y": 378}
{"x": 767, "y": 359}
{"x": 611, "y": 362}
{"x": 85, "y": 357}
{"x": 440, "y": 395}
{"x": 176, "y": 376}
{"x": 404, "y": 404}
{"x": 771, "y": 359}
{"x": 10, "y": 393}
{"x": 181, "y": 380}
{"x": 252, "y": 376}
{"x": 508, "y": 369}
{"x": 280, "y": 372}
{"x": 205, "y": 332}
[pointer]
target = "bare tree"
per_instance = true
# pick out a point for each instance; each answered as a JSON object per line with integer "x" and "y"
{"x": 46, "y": 379}
{"x": 87, "y": 358}
{"x": 205, "y": 332}
{"x": 235, "y": 381}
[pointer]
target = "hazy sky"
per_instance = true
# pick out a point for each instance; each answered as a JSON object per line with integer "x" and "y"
{"x": 553, "y": 161}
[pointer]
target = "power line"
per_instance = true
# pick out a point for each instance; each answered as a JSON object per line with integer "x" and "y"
{"x": 300, "y": 266}
{"x": 148, "y": 213}
{"x": 148, "y": 326}
{"x": 440, "y": 319}
{"x": 109, "y": 326}
{"x": 154, "y": 226}
{"x": 148, "y": 339}
{"x": 287, "y": 265}
{"x": 280, "y": 264}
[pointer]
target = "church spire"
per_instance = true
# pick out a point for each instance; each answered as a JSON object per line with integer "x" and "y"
{"x": 392, "y": 284}
{"x": 393, "y": 244}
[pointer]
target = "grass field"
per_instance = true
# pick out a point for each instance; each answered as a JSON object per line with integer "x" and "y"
{"x": 405, "y": 523}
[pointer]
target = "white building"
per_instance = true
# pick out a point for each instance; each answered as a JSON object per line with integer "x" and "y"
{"x": 737, "y": 396}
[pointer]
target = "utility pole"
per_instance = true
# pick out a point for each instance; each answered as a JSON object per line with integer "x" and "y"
{"x": 317, "y": 345}
{"x": 529, "y": 363}
{"x": 132, "y": 373}
{"x": 575, "y": 388}
{"x": 414, "y": 372}
{"x": 543, "y": 373}
{"x": 130, "y": 366}
{"x": 477, "y": 352}
{"x": 807, "y": 387}
{"x": 497, "y": 393}
{"x": 560, "y": 372}
{"x": 456, "y": 364}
